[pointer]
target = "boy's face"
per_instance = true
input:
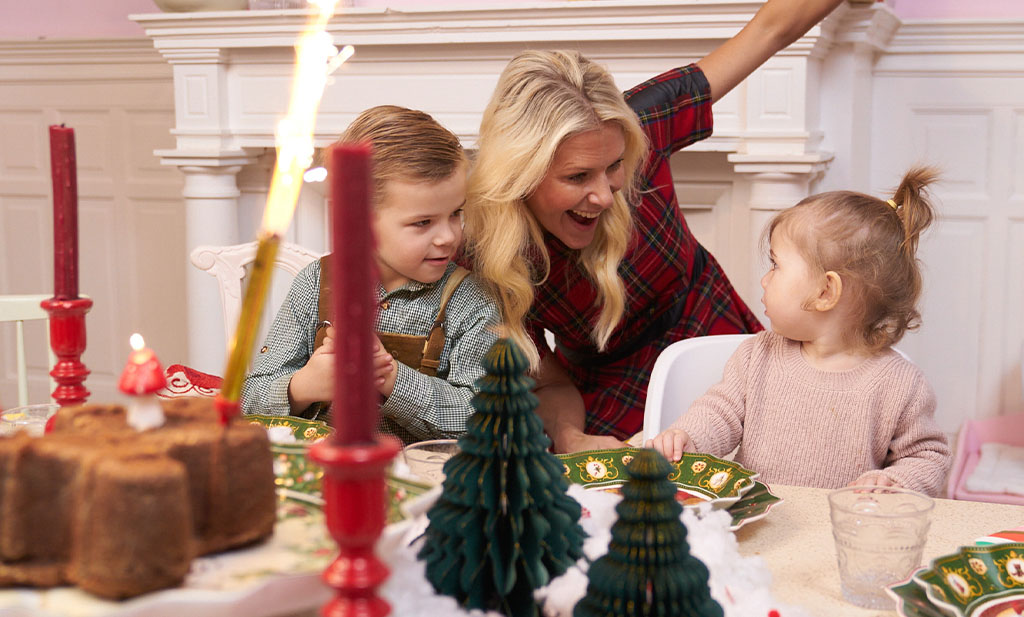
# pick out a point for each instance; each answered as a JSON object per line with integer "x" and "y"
{"x": 418, "y": 227}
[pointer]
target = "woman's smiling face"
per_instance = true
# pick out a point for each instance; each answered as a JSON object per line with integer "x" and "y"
{"x": 578, "y": 187}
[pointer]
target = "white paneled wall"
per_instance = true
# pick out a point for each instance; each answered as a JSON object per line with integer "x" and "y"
{"x": 118, "y": 96}
{"x": 951, "y": 95}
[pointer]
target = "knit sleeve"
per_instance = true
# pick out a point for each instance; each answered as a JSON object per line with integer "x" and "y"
{"x": 919, "y": 456}
{"x": 715, "y": 420}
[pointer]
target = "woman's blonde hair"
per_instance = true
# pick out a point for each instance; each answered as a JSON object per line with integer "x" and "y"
{"x": 871, "y": 244}
{"x": 543, "y": 98}
{"x": 408, "y": 145}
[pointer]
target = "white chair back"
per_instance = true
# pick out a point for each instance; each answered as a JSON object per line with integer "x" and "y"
{"x": 682, "y": 373}
{"x": 230, "y": 265}
{"x": 19, "y": 309}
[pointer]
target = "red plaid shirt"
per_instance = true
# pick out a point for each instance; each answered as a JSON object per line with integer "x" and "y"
{"x": 670, "y": 280}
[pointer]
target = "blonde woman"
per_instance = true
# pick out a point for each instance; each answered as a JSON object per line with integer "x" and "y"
{"x": 573, "y": 224}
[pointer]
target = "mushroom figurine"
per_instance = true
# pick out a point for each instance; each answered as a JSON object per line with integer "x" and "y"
{"x": 142, "y": 378}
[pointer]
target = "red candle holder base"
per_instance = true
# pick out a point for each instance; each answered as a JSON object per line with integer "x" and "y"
{"x": 67, "y": 340}
{"x": 355, "y": 496}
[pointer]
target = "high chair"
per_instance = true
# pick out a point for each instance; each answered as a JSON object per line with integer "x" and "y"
{"x": 683, "y": 372}
{"x": 19, "y": 309}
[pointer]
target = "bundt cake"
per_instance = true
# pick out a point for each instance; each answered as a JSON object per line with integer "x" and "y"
{"x": 119, "y": 513}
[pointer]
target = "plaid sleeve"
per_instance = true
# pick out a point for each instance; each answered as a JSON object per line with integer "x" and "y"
{"x": 288, "y": 347}
{"x": 437, "y": 407}
{"x": 674, "y": 108}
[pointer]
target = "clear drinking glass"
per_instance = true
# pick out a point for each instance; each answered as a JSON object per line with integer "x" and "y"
{"x": 30, "y": 418}
{"x": 426, "y": 459}
{"x": 879, "y": 533}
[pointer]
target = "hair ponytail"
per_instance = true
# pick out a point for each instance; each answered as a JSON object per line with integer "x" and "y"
{"x": 913, "y": 207}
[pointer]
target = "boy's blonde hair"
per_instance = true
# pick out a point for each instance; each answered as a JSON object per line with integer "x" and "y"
{"x": 542, "y": 98}
{"x": 871, "y": 244}
{"x": 408, "y": 145}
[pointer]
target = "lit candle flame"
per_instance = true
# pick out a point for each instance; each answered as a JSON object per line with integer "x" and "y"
{"x": 136, "y": 341}
{"x": 315, "y": 58}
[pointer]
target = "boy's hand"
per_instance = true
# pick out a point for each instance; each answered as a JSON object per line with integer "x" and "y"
{"x": 671, "y": 443}
{"x": 314, "y": 382}
{"x": 385, "y": 369}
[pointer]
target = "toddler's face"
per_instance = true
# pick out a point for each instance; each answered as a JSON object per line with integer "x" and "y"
{"x": 418, "y": 227}
{"x": 788, "y": 285}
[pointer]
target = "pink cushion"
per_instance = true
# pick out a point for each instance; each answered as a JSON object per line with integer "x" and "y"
{"x": 999, "y": 429}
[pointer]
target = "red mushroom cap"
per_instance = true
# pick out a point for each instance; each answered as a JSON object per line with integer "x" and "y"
{"x": 142, "y": 374}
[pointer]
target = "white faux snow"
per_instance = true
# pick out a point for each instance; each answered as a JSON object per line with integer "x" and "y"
{"x": 742, "y": 585}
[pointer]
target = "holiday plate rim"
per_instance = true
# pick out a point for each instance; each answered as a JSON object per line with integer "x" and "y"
{"x": 299, "y": 479}
{"x": 705, "y": 478}
{"x": 973, "y": 581}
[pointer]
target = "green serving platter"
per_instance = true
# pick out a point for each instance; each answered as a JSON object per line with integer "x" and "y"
{"x": 700, "y": 477}
{"x": 975, "y": 581}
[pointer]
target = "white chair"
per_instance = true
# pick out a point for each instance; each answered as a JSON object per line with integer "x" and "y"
{"x": 230, "y": 265}
{"x": 19, "y": 309}
{"x": 682, "y": 373}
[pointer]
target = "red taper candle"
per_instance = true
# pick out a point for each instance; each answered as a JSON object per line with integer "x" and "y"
{"x": 65, "y": 212}
{"x": 354, "y": 414}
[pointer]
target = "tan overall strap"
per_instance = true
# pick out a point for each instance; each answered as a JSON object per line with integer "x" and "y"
{"x": 435, "y": 340}
{"x": 323, "y": 306}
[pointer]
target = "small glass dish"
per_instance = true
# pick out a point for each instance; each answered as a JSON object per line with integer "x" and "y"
{"x": 426, "y": 459}
{"x": 30, "y": 418}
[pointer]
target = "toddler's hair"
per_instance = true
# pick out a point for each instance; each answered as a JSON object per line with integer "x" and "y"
{"x": 408, "y": 145}
{"x": 871, "y": 244}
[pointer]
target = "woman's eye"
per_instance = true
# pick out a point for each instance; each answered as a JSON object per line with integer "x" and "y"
{"x": 615, "y": 166}
{"x": 576, "y": 178}
{"x": 457, "y": 214}
{"x": 422, "y": 223}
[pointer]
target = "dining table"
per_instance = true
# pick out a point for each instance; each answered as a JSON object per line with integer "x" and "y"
{"x": 795, "y": 542}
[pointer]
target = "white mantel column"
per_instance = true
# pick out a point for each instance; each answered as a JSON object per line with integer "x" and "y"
{"x": 211, "y": 218}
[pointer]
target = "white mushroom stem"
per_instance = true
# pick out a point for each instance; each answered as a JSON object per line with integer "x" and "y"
{"x": 145, "y": 412}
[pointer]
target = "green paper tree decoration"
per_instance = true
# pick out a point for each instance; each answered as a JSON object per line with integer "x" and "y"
{"x": 503, "y": 525}
{"x": 648, "y": 570}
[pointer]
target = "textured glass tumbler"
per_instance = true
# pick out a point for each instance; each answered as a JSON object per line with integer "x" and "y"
{"x": 879, "y": 533}
{"x": 30, "y": 418}
{"x": 426, "y": 459}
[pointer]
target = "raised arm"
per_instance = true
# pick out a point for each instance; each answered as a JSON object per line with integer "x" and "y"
{"x": 777, "y": 24}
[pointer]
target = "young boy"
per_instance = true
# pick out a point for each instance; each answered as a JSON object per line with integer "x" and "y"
{"x": 434, "y": 322}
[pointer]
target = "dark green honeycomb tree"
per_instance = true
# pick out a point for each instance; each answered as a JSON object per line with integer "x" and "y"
{"x": 648, "y": 570}
{"x": 503, "y": 525}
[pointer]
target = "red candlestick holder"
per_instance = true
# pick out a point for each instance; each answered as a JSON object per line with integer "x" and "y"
{"x": 355, "y": 496}
{"x": 67, "y": 340}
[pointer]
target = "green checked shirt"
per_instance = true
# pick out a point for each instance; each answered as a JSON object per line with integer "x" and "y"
{"x": 420, "y": 407}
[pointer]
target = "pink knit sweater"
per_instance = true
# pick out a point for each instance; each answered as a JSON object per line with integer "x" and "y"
{"x": 795, "y": 424}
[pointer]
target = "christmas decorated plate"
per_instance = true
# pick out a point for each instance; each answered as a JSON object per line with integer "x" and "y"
{"x": 700, "y": 477}
{"x": 300, "y": 479}
{"x": 976, "y": 581}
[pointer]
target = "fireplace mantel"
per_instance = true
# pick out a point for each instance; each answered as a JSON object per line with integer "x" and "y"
{"x": 232, "y": 74}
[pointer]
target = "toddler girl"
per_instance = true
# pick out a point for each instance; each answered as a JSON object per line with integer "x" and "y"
{"x": 822, "y": 399}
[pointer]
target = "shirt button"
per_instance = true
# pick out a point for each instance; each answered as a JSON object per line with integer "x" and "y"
{"x": 384, "y": 305}
{"x": 263, "y": 349}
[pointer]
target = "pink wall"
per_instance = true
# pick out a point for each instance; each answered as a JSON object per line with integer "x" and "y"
{"x": 31, "y": 19}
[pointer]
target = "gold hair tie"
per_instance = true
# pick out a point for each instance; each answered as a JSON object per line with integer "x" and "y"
{"x": 892, "y": 203}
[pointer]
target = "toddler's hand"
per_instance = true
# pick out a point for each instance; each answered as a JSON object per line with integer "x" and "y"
{"x": 671, "y": 443}
{"x": 873, "y": 478}
{"x": 385, "y": 369}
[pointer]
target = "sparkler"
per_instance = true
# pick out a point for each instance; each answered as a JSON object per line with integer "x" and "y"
{"x": 315, "y": 58}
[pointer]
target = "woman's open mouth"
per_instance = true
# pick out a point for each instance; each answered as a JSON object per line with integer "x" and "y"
{"x": 583, "y": 218}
